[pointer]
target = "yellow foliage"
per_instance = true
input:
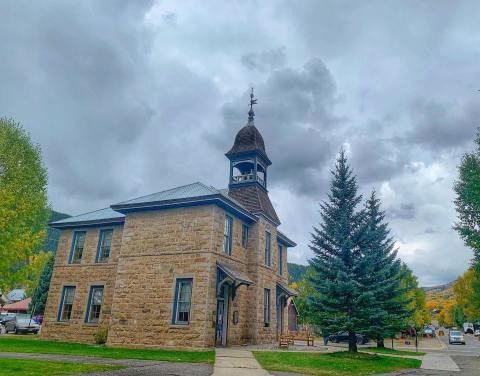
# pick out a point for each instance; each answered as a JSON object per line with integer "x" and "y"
{"x": 466, "y": 295}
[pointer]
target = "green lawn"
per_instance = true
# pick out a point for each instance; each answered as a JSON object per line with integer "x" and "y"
{"x": 386, "y": 350}
{"x": 16, "y": 367}
{"x": 30, "y": 344}
{"x": 333, "y": 364}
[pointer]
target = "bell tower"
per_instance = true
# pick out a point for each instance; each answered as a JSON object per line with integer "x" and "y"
{"x": 248, "y": 168}
{"x": 248, "y": 158}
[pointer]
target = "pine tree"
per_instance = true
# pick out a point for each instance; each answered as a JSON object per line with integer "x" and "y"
{"x": 384, "y": 274}
{"x": 39, "y": 297}
{"x": 342, "y": 302}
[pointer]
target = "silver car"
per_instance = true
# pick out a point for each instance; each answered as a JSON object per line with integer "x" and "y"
{"x": 456, "y": 336}
{"x": 22, "y": 324}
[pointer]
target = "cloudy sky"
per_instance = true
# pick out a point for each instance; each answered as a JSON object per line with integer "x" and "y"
{"x": 132, "y": 97}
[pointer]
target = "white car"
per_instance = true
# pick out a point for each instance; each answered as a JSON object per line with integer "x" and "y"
{"x": 477, "y": 333}
{"x": 456, "y": 336}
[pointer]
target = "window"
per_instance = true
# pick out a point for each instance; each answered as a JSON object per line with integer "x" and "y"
{"x": 245, "y": 236}
{"x": 104, "y": 245}
{"x": 266, "y": 307}
{"x": 66, "y": 303}
{"x": 280, "y": 259}
{"x": 227, "y": 235}
{"x": 78, "y": 243}
{"x": 94, "y": 306}
{"x": 268, "y": 252}
{"x": 182, "y": 303}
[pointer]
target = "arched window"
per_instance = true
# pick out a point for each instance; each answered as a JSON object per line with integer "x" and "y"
{"x": 261, "y": 174}
{"x": 243, "y": 171}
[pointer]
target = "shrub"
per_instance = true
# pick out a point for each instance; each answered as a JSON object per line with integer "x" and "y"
{"x": 101, "y": 336}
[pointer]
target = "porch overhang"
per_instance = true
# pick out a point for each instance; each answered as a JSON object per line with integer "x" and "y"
{"x": 237, "y": 277}
{"x": 283, "y": 289}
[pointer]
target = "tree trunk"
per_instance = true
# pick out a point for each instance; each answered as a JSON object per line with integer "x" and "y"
{"x": 352, "y": 342}
{"x": 380, "y": 343}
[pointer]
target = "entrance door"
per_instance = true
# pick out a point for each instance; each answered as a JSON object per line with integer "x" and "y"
{"x": 280, "y": 317}
{"x": 219, "y": 323}
{"x": 222, "y": 319}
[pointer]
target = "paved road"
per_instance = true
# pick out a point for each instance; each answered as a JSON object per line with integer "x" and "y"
{"x": 467, "y": 358}
{"x": 471, "y": 347}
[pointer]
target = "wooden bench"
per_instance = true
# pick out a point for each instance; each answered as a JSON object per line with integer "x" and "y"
{"x": 306, "y": 336}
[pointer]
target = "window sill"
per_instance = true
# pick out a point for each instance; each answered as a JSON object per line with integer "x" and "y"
{"x": 90, "y": 324}
{"x": 180, "y": 326}
{"x": 64, "y": 323}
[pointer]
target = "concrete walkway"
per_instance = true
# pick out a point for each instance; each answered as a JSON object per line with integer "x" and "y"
{"x": 439, "y": 362}
{"x": 238, "y": 362}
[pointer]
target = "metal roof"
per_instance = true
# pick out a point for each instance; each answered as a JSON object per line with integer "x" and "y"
{"x": 102, "y": 216}
{"x": 186, "y": 191}
{"x": 16, "y": 295}
{"x": 186, "y": 195}
{"x": 285, "y": 240}
{"x": 190, "y": 194}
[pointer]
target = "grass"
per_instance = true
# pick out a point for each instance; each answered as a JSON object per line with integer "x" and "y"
{"x": 333, "y": 364}
{"x": 386, "y": 350}
{"x": 32, "y": 344}
{"x": 15, "y": 367}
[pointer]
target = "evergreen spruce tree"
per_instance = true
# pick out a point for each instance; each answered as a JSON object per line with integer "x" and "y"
{"x": 389, "y": 311}
{"x": 342, "y": 303}
{"x": 39, "y": 297}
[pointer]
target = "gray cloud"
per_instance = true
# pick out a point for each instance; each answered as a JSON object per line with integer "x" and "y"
{"x": 443, "y": 124}
{"x": 402, "y": 211}
{"x": 295, "y": 109}
{"x": 265, "y": 60}
{"x": 128, "y": 98}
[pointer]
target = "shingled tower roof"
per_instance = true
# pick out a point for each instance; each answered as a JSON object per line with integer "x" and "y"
{"x": 248, "y": 140}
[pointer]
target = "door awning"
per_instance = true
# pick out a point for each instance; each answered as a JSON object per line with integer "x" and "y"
{"x": 238, "y": 277}
{"x": 285, "y": 290}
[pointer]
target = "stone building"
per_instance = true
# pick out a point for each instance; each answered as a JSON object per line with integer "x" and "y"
{"x": 189, "y": 267}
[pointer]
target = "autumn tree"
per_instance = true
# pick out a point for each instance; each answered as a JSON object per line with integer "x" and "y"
{"x": 417, "y": 297}
{"x": 23, "y": 205}
{"x": 465, "y": 295}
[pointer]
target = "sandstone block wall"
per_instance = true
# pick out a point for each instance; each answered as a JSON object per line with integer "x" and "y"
{"x": 82, "y": 276}
{"x": 159, "y": 247}
{"x": 149, "y": 252}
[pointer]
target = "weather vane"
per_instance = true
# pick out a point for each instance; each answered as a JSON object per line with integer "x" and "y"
{"x": 253, "y": 101}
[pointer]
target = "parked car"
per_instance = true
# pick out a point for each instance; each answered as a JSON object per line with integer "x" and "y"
{"x": 6, "y": 316}
{"x": 468, "y": 328}
{"x": 456, "y": 336}
{"x": 477, "y": 333}
{"x": 429, "y": 332}
{"x": 22, "y": 324}
{"x": 343, "y": 337}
